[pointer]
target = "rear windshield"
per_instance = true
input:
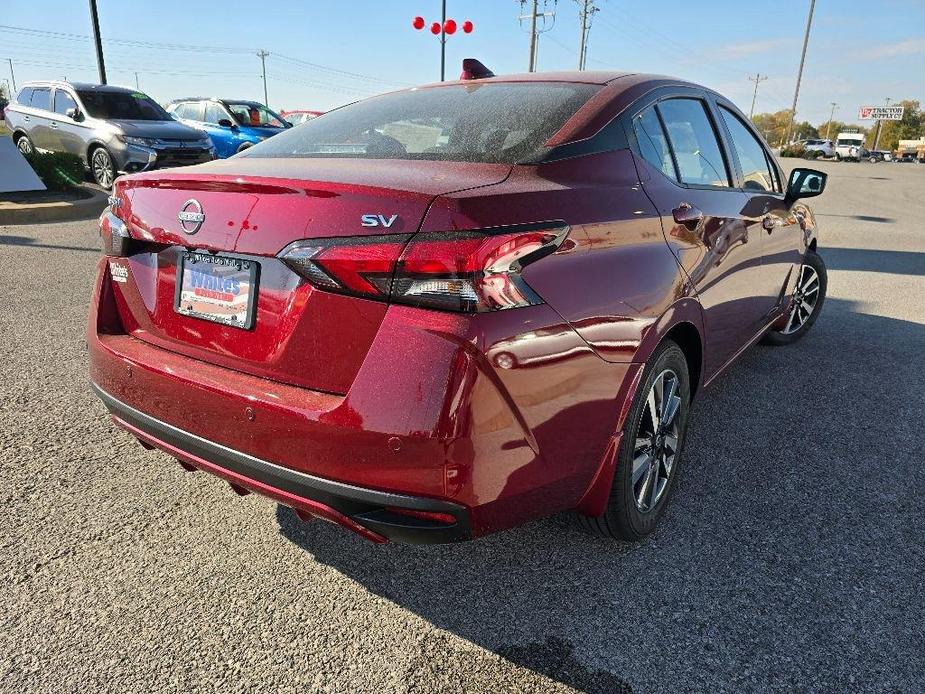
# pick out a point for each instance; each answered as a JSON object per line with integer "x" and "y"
{"x": 122, "y": 106}
{"x": 495, "y": 122}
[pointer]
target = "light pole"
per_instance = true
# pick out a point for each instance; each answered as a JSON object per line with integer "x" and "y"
{"x": 796, "y": 93}
{"x": 441, "y": 30}
{"x": 95, "y": 20}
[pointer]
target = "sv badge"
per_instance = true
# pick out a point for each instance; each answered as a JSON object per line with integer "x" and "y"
{"x": 377, "y": 220}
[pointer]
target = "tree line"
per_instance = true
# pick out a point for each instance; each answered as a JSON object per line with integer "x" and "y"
{"x": 774, "y": 127}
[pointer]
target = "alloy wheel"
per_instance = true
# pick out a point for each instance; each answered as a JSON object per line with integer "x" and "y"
{"x": 805, "y": 297}
{"x": 102, "y": 168}
{"x": 23, "y": 145}
{"x": 657, "y": 439}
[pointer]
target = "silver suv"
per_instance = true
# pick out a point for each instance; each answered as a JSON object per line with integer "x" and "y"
{"x": 113, "y": 129}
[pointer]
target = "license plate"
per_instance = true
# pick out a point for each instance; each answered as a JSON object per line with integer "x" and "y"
{"x": 218, "y": 288}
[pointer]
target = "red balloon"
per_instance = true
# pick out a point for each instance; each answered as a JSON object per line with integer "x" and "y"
{"x": 435, "y": 28}
{"x": 468, "y": 26}
{"x": 449, "y": 26}
{"x": 418, "y": 23}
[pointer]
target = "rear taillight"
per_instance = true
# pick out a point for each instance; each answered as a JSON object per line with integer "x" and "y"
{"x": 464, "y": 271}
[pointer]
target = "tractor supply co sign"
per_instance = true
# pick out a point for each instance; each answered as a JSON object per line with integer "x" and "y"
{"x": 880, "y": 113}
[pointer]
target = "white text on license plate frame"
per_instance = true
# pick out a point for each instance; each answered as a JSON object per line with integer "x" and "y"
{"x": 217, "y": 288}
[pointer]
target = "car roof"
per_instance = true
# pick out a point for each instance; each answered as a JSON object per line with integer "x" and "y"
{"x": 213, "y": 98}
{"x": 81, "y": 86}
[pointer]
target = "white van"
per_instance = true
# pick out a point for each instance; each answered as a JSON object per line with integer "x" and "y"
{"x": 850, "y": 147}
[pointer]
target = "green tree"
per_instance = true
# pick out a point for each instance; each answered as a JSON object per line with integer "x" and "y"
{"x": 773, "y": 126}
{"x": 804, "y": 131}
{"x": 830, "y": 130}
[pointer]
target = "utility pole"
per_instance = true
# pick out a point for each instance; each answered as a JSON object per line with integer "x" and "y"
{"x": 95, "y": 20}
{"x": 879, "y": 125}
{"x": 534, "y": 32}
{"x": 796, "y": 93}
{"x": 12, "y": 76}
{"x": 137, "y": 88}
{"x": 756, "y": 79}
{"x": 262, "y": 54}
{"x": 828, "y": 127}
{"x": 586, "y": 13}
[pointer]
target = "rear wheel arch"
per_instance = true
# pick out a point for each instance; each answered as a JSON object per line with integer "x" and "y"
{"x": 687, "y": 337}
{"x": 683, "y": 323}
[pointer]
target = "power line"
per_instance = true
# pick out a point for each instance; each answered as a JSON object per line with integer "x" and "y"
{"x": 191, "y": 48}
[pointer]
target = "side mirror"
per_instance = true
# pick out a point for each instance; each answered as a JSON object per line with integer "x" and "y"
{"x": 805, "y": 183}
{"x": 225, "y": 123}
{"x": 73, "y": 114}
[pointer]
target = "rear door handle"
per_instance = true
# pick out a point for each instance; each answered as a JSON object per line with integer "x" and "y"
{"x": 685, "y": 213}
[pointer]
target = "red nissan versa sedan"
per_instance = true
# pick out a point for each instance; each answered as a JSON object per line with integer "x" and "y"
{"x": 448, "y": 310}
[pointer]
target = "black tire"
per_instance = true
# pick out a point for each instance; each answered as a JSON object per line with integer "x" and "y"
{"x": 624, "y": 519}
{"x": 24, "y": 145}
{"x": 781, "y": 336}
{"x": 102, "y": 167}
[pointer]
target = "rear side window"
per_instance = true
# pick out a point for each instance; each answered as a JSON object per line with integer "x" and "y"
{"x": 188, "y": 111}
{"x": 756, "y": 173}
{"x": 63, "y": 102}
{"x": 41, "y": 98}
{"x": 693, "y": 140}
{"x": 653, "y": 145}
{"x": 503, "y": 122}
{"x": 25, "y": 96}
{"x": 215, "y": 113}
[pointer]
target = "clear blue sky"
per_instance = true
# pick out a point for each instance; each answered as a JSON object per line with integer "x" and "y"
{"x": 855, "y": 56}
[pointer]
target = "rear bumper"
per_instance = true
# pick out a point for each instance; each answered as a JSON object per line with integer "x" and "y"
{"x": 364, "y": 511}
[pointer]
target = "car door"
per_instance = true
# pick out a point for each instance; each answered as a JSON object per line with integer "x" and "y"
{"x": 39, "y": 128}
{"x": 224, "y": 137}
{"x": 690, "y": 180}
{"x": 68, "y": 133}
{"x": 766, "y": 212}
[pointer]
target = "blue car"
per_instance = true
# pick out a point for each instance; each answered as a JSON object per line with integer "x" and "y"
{"x": 232, "y": 125}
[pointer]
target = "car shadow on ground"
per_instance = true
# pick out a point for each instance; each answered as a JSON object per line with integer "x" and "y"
{"x": 787, "y": 560}
{"x": 864, "y": 260}
{"x": 11, "y": 240}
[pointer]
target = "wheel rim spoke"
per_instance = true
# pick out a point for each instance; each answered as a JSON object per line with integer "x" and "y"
{"x": 655, "y": 451}
{"x": 641, "y": 465}
{"x": 643, "y": 492}
{"x": 653, "y": 410}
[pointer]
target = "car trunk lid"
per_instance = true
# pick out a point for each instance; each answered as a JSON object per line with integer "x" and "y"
{"x": 250, "y": 210}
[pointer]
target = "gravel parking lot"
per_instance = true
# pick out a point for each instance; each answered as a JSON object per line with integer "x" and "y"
{"x": 792, "y": 558}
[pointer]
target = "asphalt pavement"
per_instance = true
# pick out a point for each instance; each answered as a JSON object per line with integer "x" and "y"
{"x": 792, "y": 558}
